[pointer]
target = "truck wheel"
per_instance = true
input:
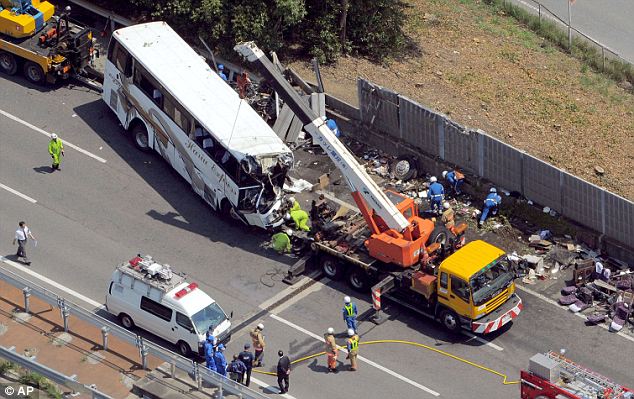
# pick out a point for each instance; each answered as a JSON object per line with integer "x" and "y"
{"x": 183, "y": 348}
{"x": 8, "y": 63}
{"x": 34, "y": 73}
{"x": 140, "y": 137}
{"x": 404, "y": 168}
{"x": 126, "y": 321}
{"x": 332, "y": 268}
{"x": 440, "y": 234}
{"x": 358, "y": 279}
{"x": 450, "y": 320}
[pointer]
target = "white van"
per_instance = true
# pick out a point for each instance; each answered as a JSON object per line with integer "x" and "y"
{"x": 149, "y": 295}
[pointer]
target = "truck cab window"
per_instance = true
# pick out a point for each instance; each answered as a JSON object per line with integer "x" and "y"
{"x": 444, "y": 280}
{"x": 460, "y": 288}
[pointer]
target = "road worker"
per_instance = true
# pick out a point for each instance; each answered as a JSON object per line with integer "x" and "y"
{"x": 247, "y": 358}
{"x": 436, "y": 194}
{"x": 331, "y": 349}
{"x": 281, "y": 241}
{"x": 236, "y": 369}
{"x": 332, "y": 125}
{"x": 349, "y": 313}
{"x": 221, "y": 361}
{"x": 353, "y": 349}
{"x": 448, "y": 216}
{"x": 491, "y": 204}
{"x": 56, "y": 150}
{"x": 243, "y": 83}
{"x": 293, "y": 204}
{"x": 300, "y": 219}
{"x": 221, "y": 72}
{"x": 209, "y": 353}
{"x": 258, "y": 345}
{"x": 455, "y": 179}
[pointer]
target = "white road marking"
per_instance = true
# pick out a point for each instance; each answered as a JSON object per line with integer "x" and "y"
{"x": 50, "y": 282}
{"x": 19, "y": 194}
{"x": 482, "y": 340}
{"x": 361, "y": 358}
{"x": 44, "y": 132}
{"x": 555, "y": 303}
{"x": 270, "y": 388}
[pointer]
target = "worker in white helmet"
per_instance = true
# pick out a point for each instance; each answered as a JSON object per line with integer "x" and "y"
{"x": 436, "y": 195}
{"x": 332, "y": 349}
{"x": 448, "y": 216}
{"x": 56, "y": 150}
{"x": 455, "y": 179}
{"x": 491, "y": 203}
{"x": 258, "y": 345}
{"x": 293, "y": 204}
{"x": 353, "y": 349}
{"x": 350, "y": 313}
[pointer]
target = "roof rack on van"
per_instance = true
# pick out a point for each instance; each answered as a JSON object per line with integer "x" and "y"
{"x": 154, "y": 274}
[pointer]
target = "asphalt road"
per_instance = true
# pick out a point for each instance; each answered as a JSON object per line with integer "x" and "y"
{"x": 609, "y": 23}
{"x": 92, "y": 215}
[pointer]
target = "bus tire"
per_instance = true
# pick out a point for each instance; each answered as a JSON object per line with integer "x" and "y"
{"x": 450, "y": 320}
{"x": 140, "y": 137}
{"x": 333, "y": 269}
{"x": 34, "y": 73}
{"x": 404, "y": 168}
{"x": 440, "y": 234}
{"x": 8, "y": 63}
{"x": 357, "y": 279}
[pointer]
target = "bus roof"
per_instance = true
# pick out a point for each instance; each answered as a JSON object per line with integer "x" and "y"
{"x": 212, "y": 102}
{"x": 471, "y": 258}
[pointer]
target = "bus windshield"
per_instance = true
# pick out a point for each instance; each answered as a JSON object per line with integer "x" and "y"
{"x": 491, "y": 280}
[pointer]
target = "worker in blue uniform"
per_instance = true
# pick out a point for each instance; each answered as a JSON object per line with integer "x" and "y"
{"x": 455, "y": 180}
{"x": 350, "y": 313}
{"x": 332, "y": 125}
{"x": 491, "y": 203}
{"x": 436, "y": 195}
{"x": 221, "y": 361}
{"x": 209, "y": 353}
{"x": 221, "y": 72}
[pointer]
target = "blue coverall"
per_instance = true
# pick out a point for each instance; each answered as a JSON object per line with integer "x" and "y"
{"x": 490, "y": 205}
{"x": 454, "y": 182}
{"x": 436, "y": 195}
{"x": 209, "y": 355}
{"x": 332, "y": 125}
{"x": 221, "y": 363}
{"x": 350, "y": 315}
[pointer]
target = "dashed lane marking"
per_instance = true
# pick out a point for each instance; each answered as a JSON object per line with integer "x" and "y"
{"x": 44, "y": 132}
{"x": 361, "y": 358}
{"x": 19, "y": 194}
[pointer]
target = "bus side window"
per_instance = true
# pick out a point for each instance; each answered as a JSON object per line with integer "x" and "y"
{"x": 120, "y": 57}
{"x": 147, "y": 86}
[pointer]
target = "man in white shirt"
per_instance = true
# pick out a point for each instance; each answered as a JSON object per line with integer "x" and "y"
{"x": 22, "y": 234}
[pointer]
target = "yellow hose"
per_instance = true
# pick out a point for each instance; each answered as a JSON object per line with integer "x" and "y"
{"x": 397, "y": 341}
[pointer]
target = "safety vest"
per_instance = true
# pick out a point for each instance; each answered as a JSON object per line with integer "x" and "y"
{"x": 349, "y": 310}
{"x": 354, "y": 343}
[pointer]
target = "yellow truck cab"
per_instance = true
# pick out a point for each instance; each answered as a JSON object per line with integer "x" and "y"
{"x": 475, "y": 289}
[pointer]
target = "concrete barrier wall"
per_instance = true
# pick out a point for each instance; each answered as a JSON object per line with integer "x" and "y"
{"x": 379, "y": 108}
{"x": 418, "y": 126}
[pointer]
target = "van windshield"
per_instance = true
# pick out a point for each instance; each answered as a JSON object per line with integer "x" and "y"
{"x": 208, "y": 318}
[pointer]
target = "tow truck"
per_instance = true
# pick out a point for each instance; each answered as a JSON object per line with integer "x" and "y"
{"x": 472, "y": 288}
{"x": 552, "y": 376}
{"x": 46, "y": 47}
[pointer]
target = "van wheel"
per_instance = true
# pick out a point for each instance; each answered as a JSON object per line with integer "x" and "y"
{"x": 183, "y": 348}
{"x": 126, "y": 321}
{"x": 34, "y": 73}
{"x": 332, "y": 268}
{"x": 8, "y": 63}
{"x": 450, "y": 320}
{"x": 140, "y": 137}
{"x": 358, "y": 279}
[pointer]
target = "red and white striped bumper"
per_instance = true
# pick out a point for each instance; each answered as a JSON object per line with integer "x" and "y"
{"x": 492, "y": 325}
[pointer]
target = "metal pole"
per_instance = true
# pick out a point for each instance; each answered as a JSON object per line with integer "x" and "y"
{"x": 144, "y": 353}
{"x": 173, "y": 369}
{"x": 569, "y": 26}
{"x": 27, "y": 293}
{"x": 104, "y": 336}
{"x": 65, "y": 314}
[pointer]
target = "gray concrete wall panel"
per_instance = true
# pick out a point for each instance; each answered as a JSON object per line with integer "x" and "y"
{"x": 541, "y": 183}
{"x": 418, "y": 126}
{"x": 379, "y": 108}
{"x": 619, "y": 219}
{"x": 581, "y": 201}
{"x": 461, "y": 146}
{"x": 502, "y": 163}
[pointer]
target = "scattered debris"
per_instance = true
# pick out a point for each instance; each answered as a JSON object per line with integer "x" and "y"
{"x": 599, "y": 170}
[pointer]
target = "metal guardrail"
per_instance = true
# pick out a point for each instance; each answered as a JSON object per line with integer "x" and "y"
{"x": 108, "y": 328}
{"x": 55, "y": 376}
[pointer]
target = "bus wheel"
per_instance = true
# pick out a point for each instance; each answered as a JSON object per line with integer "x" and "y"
{"x": 140, "y": 137}
{"x": 450, "y": 320}
{"x": 358, "y": 279}
{"x": 332, "y": 268}
{"x": 34, "y": 73}
{"x": 226, "y": 210}
{"x": 8, "y": 63}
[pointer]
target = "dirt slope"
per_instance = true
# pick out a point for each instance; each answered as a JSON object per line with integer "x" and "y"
{"x": 486, "y": 72}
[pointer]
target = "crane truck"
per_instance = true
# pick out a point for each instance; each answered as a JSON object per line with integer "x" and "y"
{"x": 44, "y": 46}
{"x": 472, "y": 288}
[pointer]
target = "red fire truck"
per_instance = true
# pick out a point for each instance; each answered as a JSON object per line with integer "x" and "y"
{"x": 552, "y": 376}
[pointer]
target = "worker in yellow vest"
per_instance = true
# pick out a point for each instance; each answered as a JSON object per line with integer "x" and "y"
{"x": 353, "y": 349}
{"x": 56, "y": 149}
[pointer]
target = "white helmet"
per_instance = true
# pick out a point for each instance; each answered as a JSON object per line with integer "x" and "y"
{"x": 260, "y": 326}
{"x": 53, "y": 136}
{"x": 346, "y": 299}
{"x": 446, "y": 205}
{"x": 330, "y": 330}
{"x": 291, "y": 200}
{"x": 289, "y": 232}
{"x": 444, "y": 174}
{"x": 350, "y": 332}
{"x": 433, "y": 179}
{"x": 287, "y": 217}
{"x": 493, "y": 190}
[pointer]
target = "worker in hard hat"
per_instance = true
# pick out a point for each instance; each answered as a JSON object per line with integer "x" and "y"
{"x": 448, "y": 216}
{"x": 293, "y": 204}
{"x": 491, "y": 203}
{"x": 221, "y": 72}
{"x": 455, "y": 179}
{"x": 221, "y": 361}
{"x": 209, "y": 353}
{"x": 56, "y": 150}
{"x": 300, "y": 219}
{"x": 281, "y": 241}
{"x": 436, "y": 195}
{"x": 349, "y": 313}
{"x": 353, "y": 349}
{"x": 332, "y": 349}
{"x": 258, "y": 345}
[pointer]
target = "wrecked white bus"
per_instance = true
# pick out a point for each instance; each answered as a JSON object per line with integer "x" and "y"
{"x": 170, "y": 101}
